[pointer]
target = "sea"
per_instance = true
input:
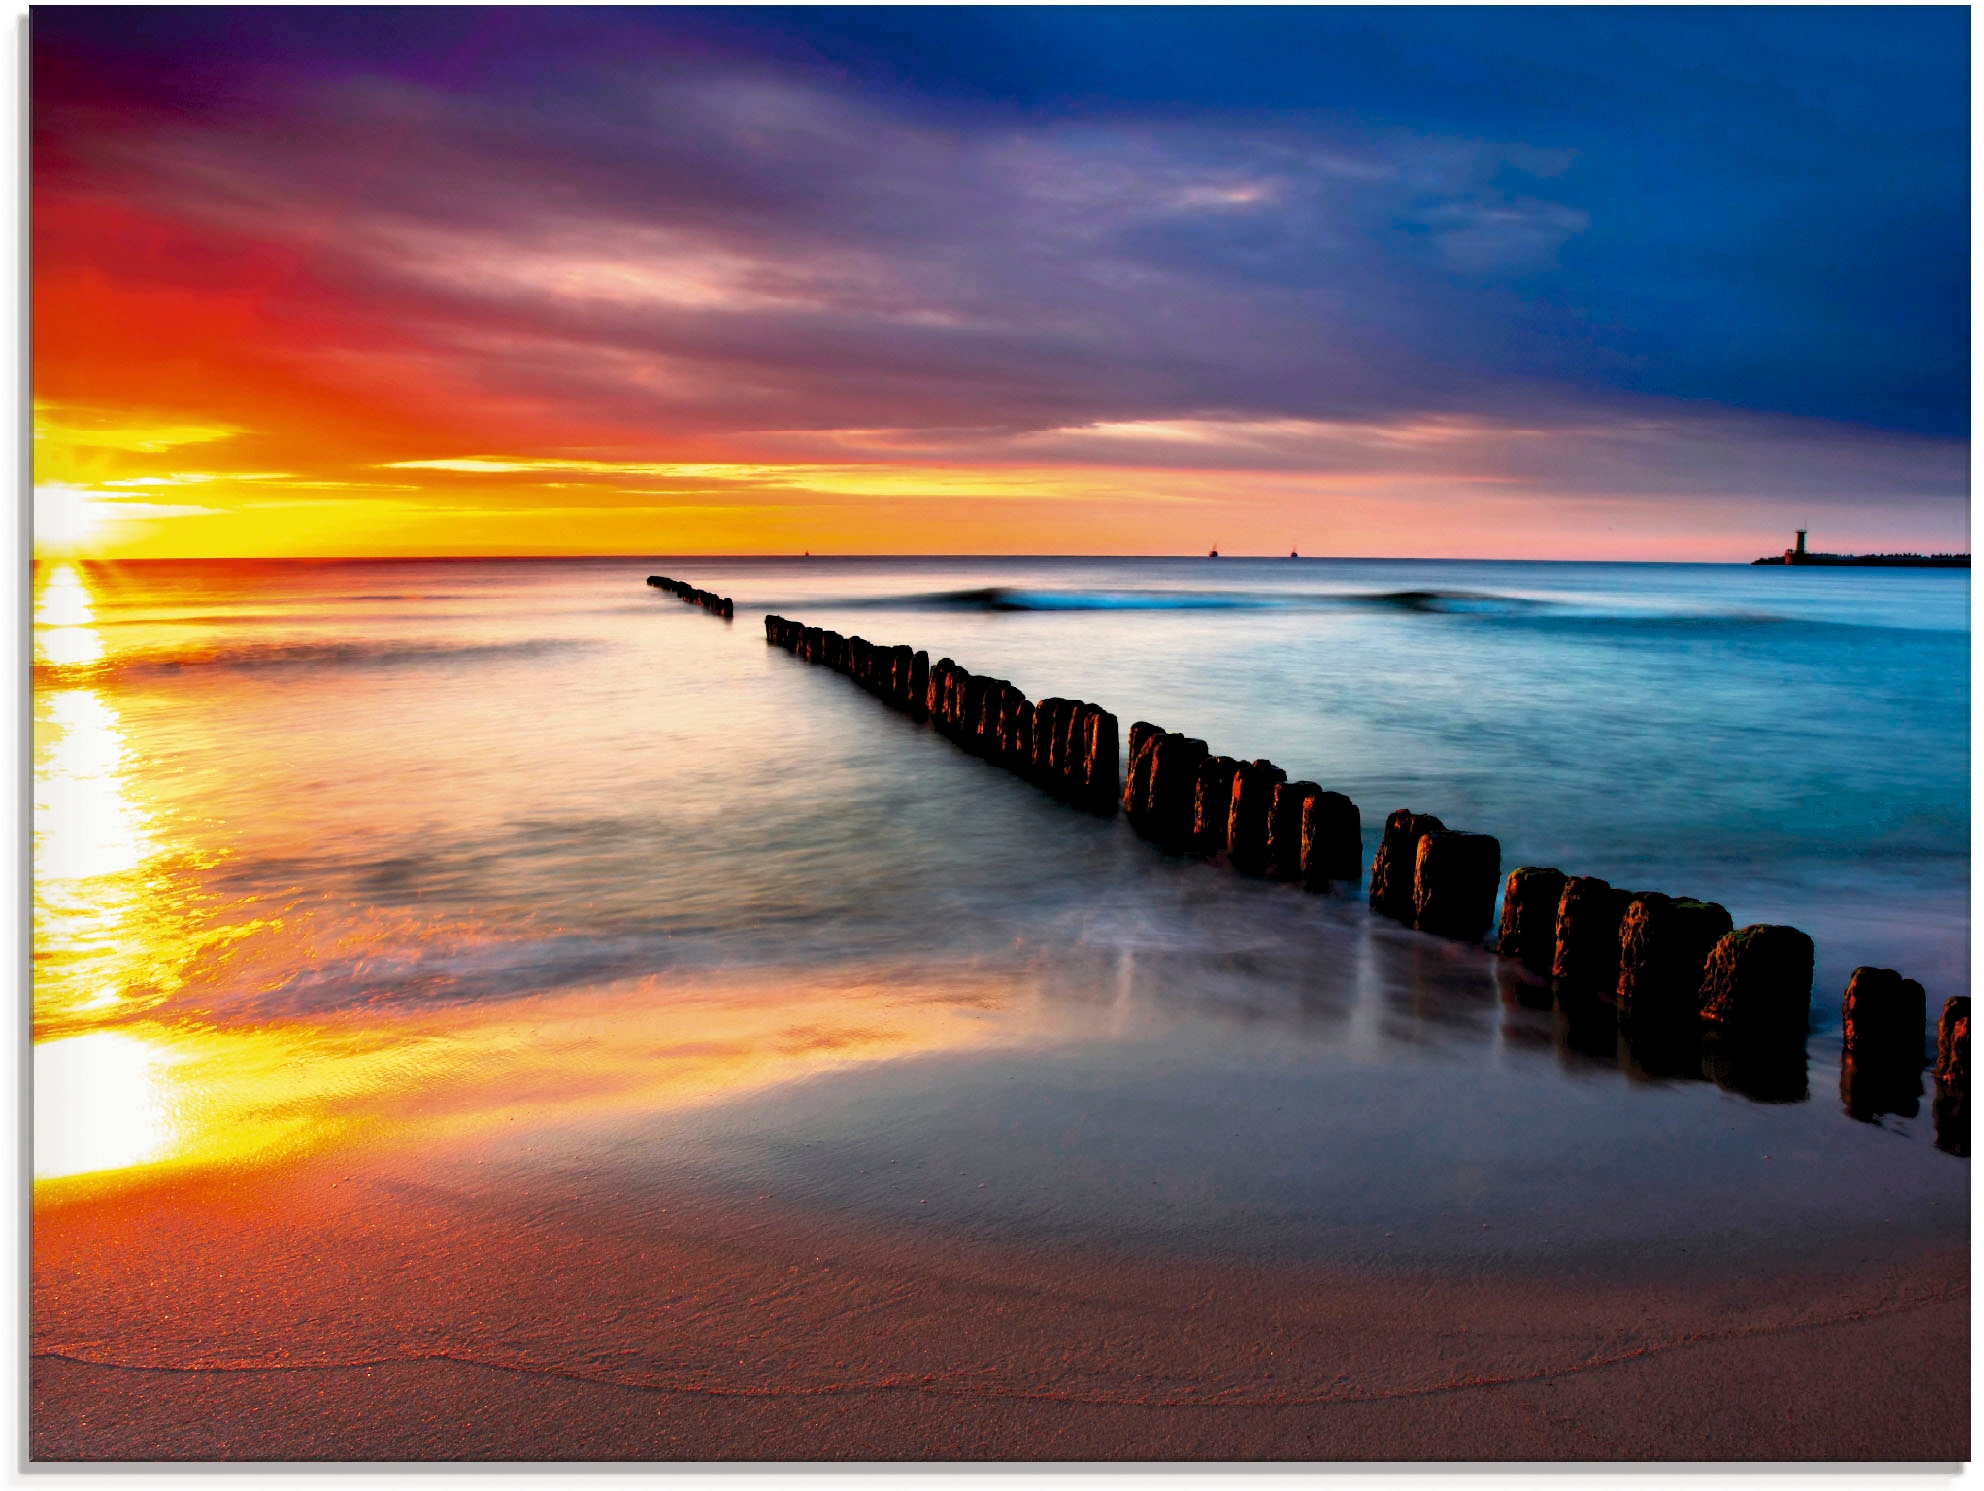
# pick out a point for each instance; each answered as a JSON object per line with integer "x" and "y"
{"x": 529, "y": 868}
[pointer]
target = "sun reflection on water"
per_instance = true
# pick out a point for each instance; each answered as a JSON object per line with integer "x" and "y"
{"x": 148, "y": 1052}
{"x": 103, "y": 918}
{"x": 86, "y": 826}
{"x": 147, "y": 1093}
{"x": 98, "y": 916}
{"x": 101, "y": 1102}
{"x": 64, "y": 620}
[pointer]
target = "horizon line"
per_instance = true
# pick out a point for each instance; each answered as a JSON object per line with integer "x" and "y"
{"x": 925, "y": 555}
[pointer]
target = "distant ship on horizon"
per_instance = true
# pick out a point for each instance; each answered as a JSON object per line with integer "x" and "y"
{"x": 1799, "y": 554}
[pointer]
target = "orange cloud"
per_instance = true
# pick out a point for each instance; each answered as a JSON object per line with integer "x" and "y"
{"x": 232, "y": 365}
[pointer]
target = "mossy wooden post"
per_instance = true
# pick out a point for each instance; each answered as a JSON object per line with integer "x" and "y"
{"x": 1455, "y": 876}
{"x": 1003, "y": 713}
{"x": 1287, "y": 804}
{"x": 1664, "y": 944}
{"x": 1758, "y": 982}
{"x": 1045, "y": 749}
{"x": 933, "y": 690}
{"x": 971, "y": 705}
{"x": 1953, "y": 1046}
{"x": 1069, "y": 725}
{"x": 959, "y": 690}
{"x": 1040, "y": 744}
{"x": 1332, "y": 841}
{"x": 1528, "y": 931}
{"x": 1884, "y": 1017}
{"x": 1019, "y": 738}
{"x": 1174, "y": 787}
{"x": 1212, "y": 805}
{"x": 1100, "y": 762}
{"x": 1589, "y": 914}
{"x": 1397, "y": 861}
{"x": 987, "y": 727}
{"x": 1136, "y": 771}
{"x": 1247, "y": 830}
{"x": 951, "y": 702}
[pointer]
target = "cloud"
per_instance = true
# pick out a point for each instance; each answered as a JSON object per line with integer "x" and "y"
{"x": 195, "y": 478}
{"x": 69, "y": 519}
{"x": 700, "y": 250}
{"x": 689, "y": 265}
{"x": 1519, "y": 235}
{"x": 1596, "y": 455}
{"x": 84, "y": 428}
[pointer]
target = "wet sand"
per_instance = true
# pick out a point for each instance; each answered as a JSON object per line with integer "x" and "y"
{"x": 371, "y": 1312}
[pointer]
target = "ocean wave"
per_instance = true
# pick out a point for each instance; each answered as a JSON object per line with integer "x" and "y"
{"x": 1449, "y": 602}
{"x": 302, "y": 656}
{"x": 1730, "y": 626}
{"x": 1468, "y": 606}
{"x": 1017, "y": 598}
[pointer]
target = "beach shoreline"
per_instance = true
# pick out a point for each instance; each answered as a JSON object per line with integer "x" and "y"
{"x": 282, "y": 1316}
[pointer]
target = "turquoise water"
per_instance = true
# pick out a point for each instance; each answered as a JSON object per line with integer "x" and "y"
{"x": 382, "y": 791}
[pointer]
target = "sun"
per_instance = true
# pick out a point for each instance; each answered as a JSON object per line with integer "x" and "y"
{"x": 68, "y": 520}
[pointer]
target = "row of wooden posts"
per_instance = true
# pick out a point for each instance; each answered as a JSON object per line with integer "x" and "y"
{"x": 1067, "y": 746}
{"x": 1664, "y": 961}
{"x": 709, "y": 600}
{"x": 1246, "y": 814}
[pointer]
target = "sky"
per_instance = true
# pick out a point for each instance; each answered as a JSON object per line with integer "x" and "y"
{"x": 1557, "y": 283}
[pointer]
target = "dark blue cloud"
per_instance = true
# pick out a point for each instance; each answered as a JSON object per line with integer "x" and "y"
{"x": 1758, "y": 210}
{"x": 1777, "y": 198}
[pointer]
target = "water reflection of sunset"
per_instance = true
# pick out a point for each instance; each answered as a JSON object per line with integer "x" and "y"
{"x": 64, "y": 620}
{"x": 148, "y": 1094}
{"x": 93, "y": 899}
{"x": 101, "y": 1102}
{"x": 176, "y": 1021}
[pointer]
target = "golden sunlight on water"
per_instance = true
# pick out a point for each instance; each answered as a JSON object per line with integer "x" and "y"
{"x": 148, "y": 1050}
{"x": 147, "y": 1094}
{"x": 64, "y": 631}
{"x": 93, "y": 844}
{"x": 86, "y": 826}
{"x": 100, "y": 1103}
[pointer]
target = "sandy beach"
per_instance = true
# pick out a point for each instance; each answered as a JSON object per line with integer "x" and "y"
{"x": 325, "y": 1314}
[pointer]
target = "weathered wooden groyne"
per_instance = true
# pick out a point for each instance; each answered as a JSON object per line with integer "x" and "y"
{"x": 1067, "y": 746}
{"x": 1671, "y": 970}
{"x": 1660, "y": 959}
{"x": 718, "y": 605}
{"x": 1437, "y": 879}
{"x": 1953, "y": 1075}
{"x": 1245, "y": 814}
